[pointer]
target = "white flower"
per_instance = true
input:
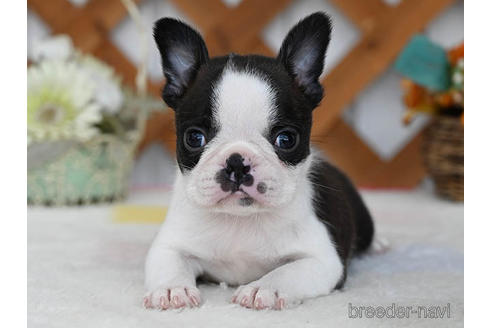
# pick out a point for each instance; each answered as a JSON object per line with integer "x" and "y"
{"x": 457, "y": 78}
{"x": 107, "y": 92}
{"x": 59, "y": 102}
{"x": 55, "y": 48}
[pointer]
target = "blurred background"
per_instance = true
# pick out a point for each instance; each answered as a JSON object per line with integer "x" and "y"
{"x": 359, "y": 124}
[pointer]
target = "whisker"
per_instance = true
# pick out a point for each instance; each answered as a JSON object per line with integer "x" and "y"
{"x": 323, "y": 186}
{"x": 186, "y": 167}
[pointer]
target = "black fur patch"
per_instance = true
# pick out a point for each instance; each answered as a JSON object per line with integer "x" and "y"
{"x": 303, "y": 54}
{"x": 195, "y": 110}
{"x": 339, "y": 206}
{"x": 183, "y": 52}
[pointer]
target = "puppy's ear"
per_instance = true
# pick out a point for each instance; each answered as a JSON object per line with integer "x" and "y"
{"x": 303, "y": 54}
{"x": 183, "y": 51}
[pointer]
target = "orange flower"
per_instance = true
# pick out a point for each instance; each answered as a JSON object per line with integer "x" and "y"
{"x": 415, "y": 94}
{"x": 444, "y": 99}
{"x": 456, "y": 53}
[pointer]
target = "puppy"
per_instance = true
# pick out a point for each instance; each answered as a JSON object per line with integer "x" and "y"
{"x": 253, "y": 205}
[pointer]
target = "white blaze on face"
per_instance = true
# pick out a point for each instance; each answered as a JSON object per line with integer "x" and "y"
{"x": 244, "y": 104}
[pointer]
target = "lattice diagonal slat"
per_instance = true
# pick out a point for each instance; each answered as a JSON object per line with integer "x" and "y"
{"x": 385, "y": 31}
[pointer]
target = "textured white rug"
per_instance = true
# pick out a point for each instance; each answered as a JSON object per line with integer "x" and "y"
{"x": 86, "y": 271}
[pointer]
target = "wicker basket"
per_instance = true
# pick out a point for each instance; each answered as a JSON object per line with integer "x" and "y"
{"x": 443, "y": 153}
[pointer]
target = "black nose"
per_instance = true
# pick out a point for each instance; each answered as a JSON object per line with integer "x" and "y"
{"x": 237, "y": 171}
{"x": 235, "y": 174}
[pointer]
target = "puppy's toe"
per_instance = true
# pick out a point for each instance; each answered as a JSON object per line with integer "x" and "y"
{"x": 178, "y": 298}
{"x": 158, "y": 299}
{"x": 193, "y": 296}
{"x": 259, "y": 298}
{"x": 172, "y": 298}
{"x": 245, "y": 296}
{"x": 281, "y": 301}
{"x": 265, "y": 299}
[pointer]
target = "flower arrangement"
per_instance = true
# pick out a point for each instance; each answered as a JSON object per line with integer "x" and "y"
{"x": 83, "y": 126}
{"x": 434, "y": 85}
{"x": 75, "y": 96}
{"x": 434, "y": 79}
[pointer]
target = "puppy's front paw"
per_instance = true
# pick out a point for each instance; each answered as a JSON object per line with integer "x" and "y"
{"x": 172, "y": 298}
{"x": 259, "y": 298}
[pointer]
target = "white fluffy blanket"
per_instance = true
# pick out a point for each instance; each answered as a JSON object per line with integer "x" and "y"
{"x": 86, "y": 271}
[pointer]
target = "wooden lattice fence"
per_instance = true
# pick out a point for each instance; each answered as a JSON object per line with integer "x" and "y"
{"x": 385, "y": 30}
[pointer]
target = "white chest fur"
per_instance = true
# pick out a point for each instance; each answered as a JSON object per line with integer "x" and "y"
{"x": 238, "y": 250}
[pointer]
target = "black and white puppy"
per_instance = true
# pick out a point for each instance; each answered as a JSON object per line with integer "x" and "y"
{"x": 253, "y": 204}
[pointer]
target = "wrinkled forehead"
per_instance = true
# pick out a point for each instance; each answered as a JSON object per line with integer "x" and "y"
{"x": 243, "y": 103}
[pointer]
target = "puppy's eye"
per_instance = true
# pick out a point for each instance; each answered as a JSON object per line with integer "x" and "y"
{"x": 286, "y": 139}
{"x": 194, "y": 139}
